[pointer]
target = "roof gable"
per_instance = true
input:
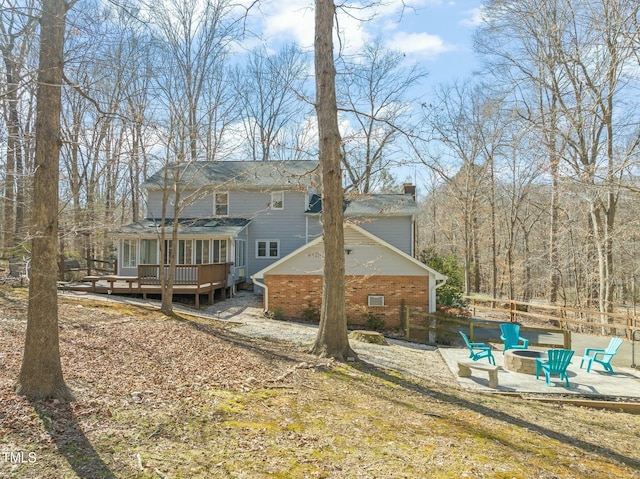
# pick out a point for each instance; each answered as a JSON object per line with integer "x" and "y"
{"x": 365, "y": 254}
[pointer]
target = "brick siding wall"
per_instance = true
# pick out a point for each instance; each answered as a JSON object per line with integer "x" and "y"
{"x": 293, "y": 295}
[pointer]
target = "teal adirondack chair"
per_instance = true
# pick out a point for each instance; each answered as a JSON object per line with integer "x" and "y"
{"x": 602, "y": 356}
{"x": 556, "y": 363}
{"x": 511, "y": 337}
{"x": 478, "y": 350}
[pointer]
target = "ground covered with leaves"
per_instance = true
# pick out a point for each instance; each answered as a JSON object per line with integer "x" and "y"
{"x": 183, "y": 397}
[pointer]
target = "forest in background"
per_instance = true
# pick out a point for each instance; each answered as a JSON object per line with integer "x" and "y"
{"x": 529, "y": 167}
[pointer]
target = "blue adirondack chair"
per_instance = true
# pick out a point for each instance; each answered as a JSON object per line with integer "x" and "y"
{"x": 511, "y": 337}
{"x": 478, "y": 350}
{"x": 602, "y": 356}
{"x": 556, "y": 363}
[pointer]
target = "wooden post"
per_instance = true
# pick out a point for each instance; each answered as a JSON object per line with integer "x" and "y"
{"x": 407, "y": 319}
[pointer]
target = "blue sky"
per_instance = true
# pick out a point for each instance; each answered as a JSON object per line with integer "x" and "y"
{"x": 435, "y": 33}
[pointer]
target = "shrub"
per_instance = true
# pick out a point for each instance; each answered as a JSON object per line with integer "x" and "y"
{"x": 311, "y": 314}
{"x": 373, "y": 322}
{"x": 277, "y": 314}
{"x": 450, "y": 294}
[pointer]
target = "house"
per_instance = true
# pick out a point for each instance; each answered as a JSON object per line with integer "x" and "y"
{"x": 254, "y": 215}
{"x": 246, "y": 213}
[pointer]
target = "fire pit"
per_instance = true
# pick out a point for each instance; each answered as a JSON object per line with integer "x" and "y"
{"x": 522, "y": 360}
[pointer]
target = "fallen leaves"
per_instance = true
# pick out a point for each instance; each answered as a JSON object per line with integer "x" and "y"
{"x": 187, "y": 397}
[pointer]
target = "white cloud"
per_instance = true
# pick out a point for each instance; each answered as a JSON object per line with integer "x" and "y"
{"x": 289, "y": 20}
{"x": 473, "y": 18}
{"x": 421, "y": 44}
{"x": 293, "y": 21}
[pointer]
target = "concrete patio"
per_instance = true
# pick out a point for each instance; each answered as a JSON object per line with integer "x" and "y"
{"x": 624, "y": 384}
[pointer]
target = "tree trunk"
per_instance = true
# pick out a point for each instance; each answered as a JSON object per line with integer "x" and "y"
{"x": 332, "y": 340}
{"x": 41, "y": 371}
{"x": 554, "y": 164}
{"x": 166, "y": 282}
{"x": 13, "y": 148}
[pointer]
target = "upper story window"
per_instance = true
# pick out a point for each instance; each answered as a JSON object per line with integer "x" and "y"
{"x": 267, "y": 249}
{"x": 221, "y": 204}
{"x": 277, "y": 200}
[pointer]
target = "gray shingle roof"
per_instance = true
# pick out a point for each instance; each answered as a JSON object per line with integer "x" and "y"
{"x": 243, "y": 174}
{"x": 372, "y": 205}
{"x": 194, "y": 226}
{"x": 381, "y": 205}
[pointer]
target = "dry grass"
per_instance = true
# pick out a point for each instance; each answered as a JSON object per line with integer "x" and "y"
{"x": 180, "y": 398}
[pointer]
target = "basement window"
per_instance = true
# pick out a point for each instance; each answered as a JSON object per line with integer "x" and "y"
{"x": 376, "y": 300}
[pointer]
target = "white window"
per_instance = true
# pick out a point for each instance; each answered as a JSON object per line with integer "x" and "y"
{"x": 219, "y": 251}
{"x": 168, "y": 247}
{"x": 149, "y": 251}
{"x": 277, "y": 200}
{"x": 185, "y": 252}
{"x": 221, "y": 204}
{"x": 267, "y": 249}
{"x": 129, "y": 253}
{"x": 376, "y": 300}
{"x": 241, "y": 257}
{"x": 202, "y": 251}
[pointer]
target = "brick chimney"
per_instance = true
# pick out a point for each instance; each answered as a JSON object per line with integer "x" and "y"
{"x": 409, "y": 189}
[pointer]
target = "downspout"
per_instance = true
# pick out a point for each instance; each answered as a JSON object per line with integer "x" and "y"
{"x": 265, "y": 294}
{"x": 432, "y": 295}
{"x": 414, "y": 237}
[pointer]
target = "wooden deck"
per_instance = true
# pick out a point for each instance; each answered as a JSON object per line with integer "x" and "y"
{"x": 193, "y": 280}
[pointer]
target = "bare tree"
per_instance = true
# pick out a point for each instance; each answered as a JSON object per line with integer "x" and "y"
{"x": 41, "y": 371}
{"x": 17, "y": 28}
{"x": 193, "y": 41}
{"x": 332, "y": 340}
{"x": 456, "y": 119}
{"x": 580, "y": 53}
{"x": 270, "y": 90}
{"x": 374, "y": 96}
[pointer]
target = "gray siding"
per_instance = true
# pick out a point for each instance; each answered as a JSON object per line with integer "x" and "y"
{"x": 395, "y": 230}
{"x": 154, "y": 204}
{"x": 288, "y": 226}
{"x": 198, "y": 208}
